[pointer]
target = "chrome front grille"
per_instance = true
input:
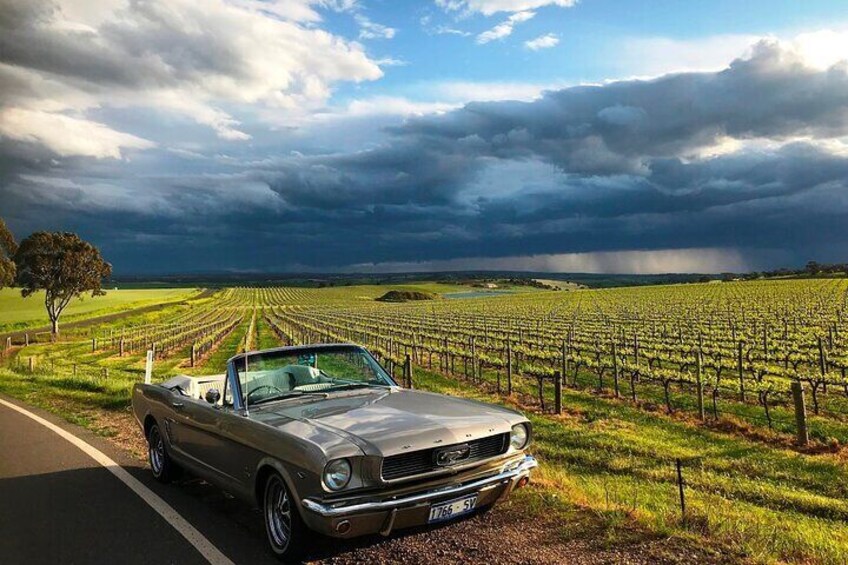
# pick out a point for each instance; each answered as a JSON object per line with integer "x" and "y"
{"x": 424, "y": 461}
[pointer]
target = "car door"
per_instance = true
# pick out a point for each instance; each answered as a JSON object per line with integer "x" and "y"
{"x": 210, "y": 435}
{"x": 199, "y": 435}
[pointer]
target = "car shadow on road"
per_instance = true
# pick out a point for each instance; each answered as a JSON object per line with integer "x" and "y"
{"x": 323, "y": 548}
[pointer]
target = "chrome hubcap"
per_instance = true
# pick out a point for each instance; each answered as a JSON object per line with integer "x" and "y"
{"x": 156, "y": 451}
{"x": 278, "y": 514}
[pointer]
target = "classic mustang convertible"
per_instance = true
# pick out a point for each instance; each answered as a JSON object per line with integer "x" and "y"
{"x": 321, "y": 438}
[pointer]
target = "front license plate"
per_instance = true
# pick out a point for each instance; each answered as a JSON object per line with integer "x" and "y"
{"x": 452, "y": 508}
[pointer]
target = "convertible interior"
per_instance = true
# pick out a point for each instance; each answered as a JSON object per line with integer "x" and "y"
{"x": 260, "y": 385}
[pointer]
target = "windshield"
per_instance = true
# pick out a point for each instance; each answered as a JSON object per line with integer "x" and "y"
{"x": 282, "y": 374}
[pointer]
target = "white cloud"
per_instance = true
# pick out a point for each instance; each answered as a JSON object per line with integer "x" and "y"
{"x": 204, "y": 60}
{"x": 65, "y": 135}
{"x": 385, "y": 106}
{"x": 447, "y": 30}
{"x": 373, "y": 30}
{"x": 697, "y": 260}
{"x": 461, "y": 91}
{"x": 504, "y": 29}
{"x": 656, "y": 56}
{"x": 822, "y": 49}
{"x": 542, "y": 42}
{"x": 489, "y": 7}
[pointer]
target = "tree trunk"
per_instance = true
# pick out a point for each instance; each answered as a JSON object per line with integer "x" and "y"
{"x": 54, "y": 330}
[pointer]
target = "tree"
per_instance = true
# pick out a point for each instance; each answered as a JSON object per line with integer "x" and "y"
{"x": 8, "y": 247}
{"x": 62, "y": 265}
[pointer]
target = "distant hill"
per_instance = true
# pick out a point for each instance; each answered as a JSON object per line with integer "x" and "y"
{"x": 316, "y": 280}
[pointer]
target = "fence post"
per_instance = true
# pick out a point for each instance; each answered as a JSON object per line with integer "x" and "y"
{"x": 26, "y": 339}
{"x": 700, "y": 384}
{"x": 741, "y": 371}
{"x": 615, "y": 368}
{"x": 564, "y": 359}
{"x": 8, "y": 343}
{"x": 800, "y": 413}
{"x": 31, "y": 364}
{"x": 407, "y": 370}
{"x": 680, "y": 490}
{"x": 473, "y": 361}
{"x": 148, "y": 368}
{"x": 509, "y": 368}
{"x": 193, "y": 354}
{"x": 558, "y": 392}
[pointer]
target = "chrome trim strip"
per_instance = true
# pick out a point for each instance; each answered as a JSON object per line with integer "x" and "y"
{"x": 511, "y": 472}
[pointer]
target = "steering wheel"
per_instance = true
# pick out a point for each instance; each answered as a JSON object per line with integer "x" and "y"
{"x": 263, "y": 387}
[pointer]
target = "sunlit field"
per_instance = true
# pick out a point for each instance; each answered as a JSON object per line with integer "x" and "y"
{"x": 632, "y": 362}
{"x": 19, "y": 313}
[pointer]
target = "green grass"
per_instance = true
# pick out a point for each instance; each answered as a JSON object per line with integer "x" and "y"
{"x": 17, "y": 313}
{"x": 767, "y": 503}
{"x": 753, "y": 497}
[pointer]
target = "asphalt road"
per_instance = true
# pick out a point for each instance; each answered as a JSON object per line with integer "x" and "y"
{"x": 58, "y": 505}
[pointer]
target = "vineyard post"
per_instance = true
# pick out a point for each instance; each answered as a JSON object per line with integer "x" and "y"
{"x": 615, "y": 368}
{"x": 121, "y": 346}
{"x": 26, "y": 340}
{"x": 700, "y": 385}
{"x": 558, "y": 392}
{"x": 473, "y": 361}
{"x": 148, "y": 368}
{"x": 31, "y": 364}
{"x": 740, "y": 368}
{"x": 822, "y": 364}
{"x": 636, "y": 349}
{"x": 680, "y": 490}
{"x": 509, "y": 368}
{"x": 409, "y": 371}
{"x": 800, "y": 413}
{"x": 93, "y": 344}
{"x": 8, "y": 343}
{"x": 193, "y": 354}
{"x": 564, "y": 359}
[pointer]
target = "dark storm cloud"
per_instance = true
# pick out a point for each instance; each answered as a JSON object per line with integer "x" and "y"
{"x": 632, "y": 165}
{"x": 613, "y": 128}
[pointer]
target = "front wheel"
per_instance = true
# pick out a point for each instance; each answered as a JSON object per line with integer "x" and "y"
{"x": 163, "y": 468}
{"x": 285, "y": 530}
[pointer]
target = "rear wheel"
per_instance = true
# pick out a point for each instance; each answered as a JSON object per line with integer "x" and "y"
{"x": 161, "y": 465}
{"x": 285, "y": 530}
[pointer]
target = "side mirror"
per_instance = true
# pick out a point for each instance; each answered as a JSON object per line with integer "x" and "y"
{"x": 213, "y": 396}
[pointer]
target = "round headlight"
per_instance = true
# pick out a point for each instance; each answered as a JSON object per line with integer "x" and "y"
{"x": 337, "y": 474}
{"x": 518, "y": 437}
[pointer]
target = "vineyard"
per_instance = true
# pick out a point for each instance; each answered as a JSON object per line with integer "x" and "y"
{"x": 743, "y": 381}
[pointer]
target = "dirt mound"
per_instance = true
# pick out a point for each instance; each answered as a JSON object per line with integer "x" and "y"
{"x": 406, "y": 295}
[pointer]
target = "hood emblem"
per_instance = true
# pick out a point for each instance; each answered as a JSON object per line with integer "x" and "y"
{"x": 452, "y": 455}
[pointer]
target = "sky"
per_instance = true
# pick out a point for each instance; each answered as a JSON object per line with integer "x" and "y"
{"x": 610, "y": 136}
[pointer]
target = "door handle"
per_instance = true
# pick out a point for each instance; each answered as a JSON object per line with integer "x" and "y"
{"x": 178, "y": 405}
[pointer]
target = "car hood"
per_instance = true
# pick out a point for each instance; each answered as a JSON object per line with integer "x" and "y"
{"x": 386, "y": 422}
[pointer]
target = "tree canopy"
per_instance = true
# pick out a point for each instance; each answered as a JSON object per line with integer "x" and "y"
{"x": 62, "y": 265}
{"x": 8, "y": 247}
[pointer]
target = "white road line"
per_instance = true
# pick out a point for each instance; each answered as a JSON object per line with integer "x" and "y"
{"x": 189, "y": 532}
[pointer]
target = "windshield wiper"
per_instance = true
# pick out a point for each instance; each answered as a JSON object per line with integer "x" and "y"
{"x": 349, "y": 386}
{"x": 290, "y": 394}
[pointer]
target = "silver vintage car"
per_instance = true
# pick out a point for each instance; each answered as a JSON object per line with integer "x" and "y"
{"x": 322, "y": 439}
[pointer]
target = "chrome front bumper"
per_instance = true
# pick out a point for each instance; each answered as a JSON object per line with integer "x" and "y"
{"x": 412, "y": 509}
